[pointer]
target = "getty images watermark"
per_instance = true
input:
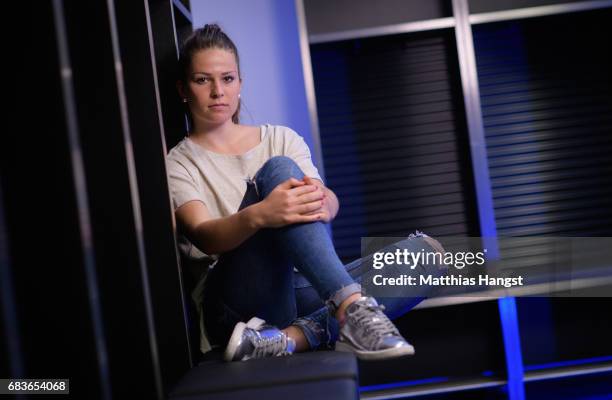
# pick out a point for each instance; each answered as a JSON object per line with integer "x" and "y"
{"x": 411, "y": 259}
{"x": 439, "y": 260}
{"x": 419, "y": 266}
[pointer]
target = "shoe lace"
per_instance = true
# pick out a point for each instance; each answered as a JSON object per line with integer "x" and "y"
{"x": 372, "y": 318}
{"x": 265, "y": 346}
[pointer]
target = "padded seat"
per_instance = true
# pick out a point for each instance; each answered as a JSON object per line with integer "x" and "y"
{"x": 311, "y": 375}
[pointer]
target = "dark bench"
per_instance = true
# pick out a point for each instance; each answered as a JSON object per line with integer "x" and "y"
{"x": 313, "y": 375}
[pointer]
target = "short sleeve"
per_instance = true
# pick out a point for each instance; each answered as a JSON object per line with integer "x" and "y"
{"x": 297, "y": 149}
{"x": 183, "y": 187}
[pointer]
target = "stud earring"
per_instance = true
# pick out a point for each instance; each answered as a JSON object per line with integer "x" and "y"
{"x": 238, "y": 95}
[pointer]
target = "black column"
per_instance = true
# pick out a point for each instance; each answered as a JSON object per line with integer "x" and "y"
{"x": 90, "y": 276}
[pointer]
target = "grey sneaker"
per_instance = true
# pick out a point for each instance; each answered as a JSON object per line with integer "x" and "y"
{"x": 255, "y": 339}
{"x": 370, "y": 334}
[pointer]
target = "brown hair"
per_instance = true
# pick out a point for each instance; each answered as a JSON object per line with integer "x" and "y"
{"x": 210, "y": 36}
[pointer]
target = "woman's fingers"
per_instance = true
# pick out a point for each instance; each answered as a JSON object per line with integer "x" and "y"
{"x": 309, "y": 207}
{"x": 310, "y": 197}
{"x": 296, "y": 182}
{"x": 291, "y": 183}
{"x": 302, "y": 190}
{"x": 308, "y": 218}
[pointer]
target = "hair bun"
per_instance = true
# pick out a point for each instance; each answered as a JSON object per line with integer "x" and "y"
{"x": 211, "y": 30}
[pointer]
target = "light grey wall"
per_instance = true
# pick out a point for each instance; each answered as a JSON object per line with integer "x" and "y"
{"x": 267, "y": 37}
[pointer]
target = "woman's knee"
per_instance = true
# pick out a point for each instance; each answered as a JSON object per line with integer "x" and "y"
{"x": 428, "y": 253}
{"x": 275, "y": 171}
{"x": 279, "y": 164}
{"x": 438, "y": 267}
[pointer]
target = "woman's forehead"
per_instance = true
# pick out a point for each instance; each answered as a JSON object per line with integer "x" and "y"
{"x": 213, "y": 60}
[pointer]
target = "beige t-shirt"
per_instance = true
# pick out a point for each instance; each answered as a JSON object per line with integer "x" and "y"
{"x": 219, "y": 181}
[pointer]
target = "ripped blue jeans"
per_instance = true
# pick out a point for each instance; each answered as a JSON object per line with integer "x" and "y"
{"x": 257, "y": 278}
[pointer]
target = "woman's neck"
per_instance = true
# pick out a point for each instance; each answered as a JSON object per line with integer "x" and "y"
{"x": 206, "y": 132}
{"x": 229, "y": 138}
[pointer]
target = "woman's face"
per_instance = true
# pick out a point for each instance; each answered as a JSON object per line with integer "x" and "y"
{"x": 213, "y": 86}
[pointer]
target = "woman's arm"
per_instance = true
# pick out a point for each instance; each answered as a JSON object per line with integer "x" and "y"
{"x": 291, "y": 202}
{"x": 214, "y": 235}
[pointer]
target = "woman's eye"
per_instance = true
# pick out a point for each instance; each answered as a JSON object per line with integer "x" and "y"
{"x": 228, "y": 78}
{"x": 201, "y": 80}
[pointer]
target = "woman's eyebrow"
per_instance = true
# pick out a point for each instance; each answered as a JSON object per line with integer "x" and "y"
{"x": 208, "y": 73}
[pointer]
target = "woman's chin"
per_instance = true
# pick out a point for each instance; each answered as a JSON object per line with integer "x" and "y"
{"x": 218, "y": 118}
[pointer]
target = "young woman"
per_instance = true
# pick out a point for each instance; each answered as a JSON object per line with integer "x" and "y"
{"x": 251, "y": 205}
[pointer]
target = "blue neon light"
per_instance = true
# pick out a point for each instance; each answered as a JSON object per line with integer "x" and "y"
{"x": 569, "y": 363}
{"x": 395, "y": 385}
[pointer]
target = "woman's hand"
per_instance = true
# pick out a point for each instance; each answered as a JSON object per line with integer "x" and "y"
{"x": 325, "y": 210}
{"x": 291, "y": 202}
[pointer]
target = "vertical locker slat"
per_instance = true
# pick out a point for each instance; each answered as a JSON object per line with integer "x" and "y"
{"x": 148, "y": 149}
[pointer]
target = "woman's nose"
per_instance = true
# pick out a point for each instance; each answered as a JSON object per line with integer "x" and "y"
{"x": 217, "y": 91}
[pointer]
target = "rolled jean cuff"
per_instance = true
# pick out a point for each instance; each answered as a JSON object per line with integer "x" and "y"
{"x": 334, "y": 302}
{"x": 317, "y": 336}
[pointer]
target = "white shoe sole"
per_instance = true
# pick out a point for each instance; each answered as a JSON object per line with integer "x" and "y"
{"x": 232, "y": 345}
{"x": 376, "y": 355}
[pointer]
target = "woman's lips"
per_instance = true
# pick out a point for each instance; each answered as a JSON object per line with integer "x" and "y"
{"x": 218, "y": 106}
